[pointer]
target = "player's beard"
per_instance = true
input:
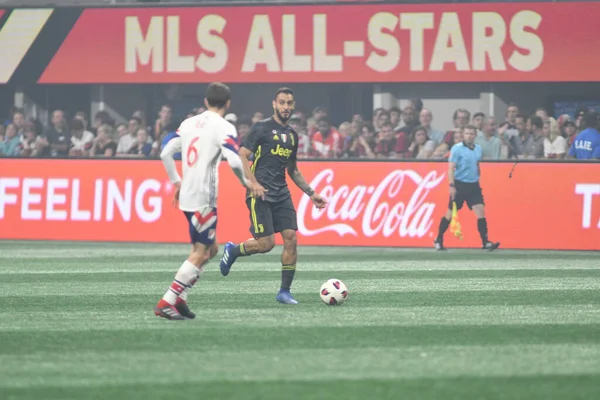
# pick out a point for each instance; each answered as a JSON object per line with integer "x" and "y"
{"x": 283, "y": 119}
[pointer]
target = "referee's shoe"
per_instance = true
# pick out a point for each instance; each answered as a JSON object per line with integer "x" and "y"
{"x": 490, "y": 246}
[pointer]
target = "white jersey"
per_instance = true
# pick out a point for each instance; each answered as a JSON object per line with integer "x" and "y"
{"x": 203, "y": 140}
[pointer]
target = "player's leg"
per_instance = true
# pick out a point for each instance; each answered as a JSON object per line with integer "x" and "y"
{"x": 285, "y": 221}
{"x": 202, "y": 229}
{"x": 181, "y": 304}
{"x": 476, "y": 203}
{"x": 438, "y": 243}
{"x": 261, "y": 227}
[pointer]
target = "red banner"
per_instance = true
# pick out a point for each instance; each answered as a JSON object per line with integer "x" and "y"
{"x": 333, "y": 43}
{"x": 543, "y": 206}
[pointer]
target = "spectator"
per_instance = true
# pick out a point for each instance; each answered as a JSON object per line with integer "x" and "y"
{"x": 518, "y": 142}
{"x": 490, "y": 143}
{"x": 579, "y": 114}
{"x": 232, "y": 119}
{"x": 258, "y": 116}
{"x": 421, "y": 145}
{"x": 103, "y": 145}
{"x": 425, "y": 118}
{"x": 19, "y": 121}
{"x": 386, "y": 142}
{"x": 477, "y": 122}
{"x": 511, "y": 114}
{"x": 129, "y": 141}
{"x": 10, "y": 145}
{"x": 416, "y": 104}
{"x": 382, "y": 119}
{"x": 555, "y": 146}
{"x": 570, "y": 132}
{"x": 141, "y": 148}
{"x": 33, "y": 145}
{"x": 363, "y": 144}
{"x": 404, "y": 134}
{"x": 244, "y": 127}
{"x": 81, "y": 140}
{"x": 57, "y": 135}
{"x": 542, "y": 113}
{"x": 534, "y": 148}
{"x": 327, "y": 142}
{"x": 165, "y": 115}
{"x": 121, "y": 131}
{"x": 460, "y": 119}
{"x": 587, "y": 143}
{"x": 395, "y": 114}
{"x": 102, "y": 118}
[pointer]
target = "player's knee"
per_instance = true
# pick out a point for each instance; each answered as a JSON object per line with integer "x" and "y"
{"x": 290, "y": 241}
{"x": 266, "y": 244}
{"x": 200, "y": 254}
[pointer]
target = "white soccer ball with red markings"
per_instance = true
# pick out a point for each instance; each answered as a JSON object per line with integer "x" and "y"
{"x": 334, "y": 292}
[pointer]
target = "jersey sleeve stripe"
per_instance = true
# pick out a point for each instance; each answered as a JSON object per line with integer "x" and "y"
{"x": 231, "y": 144}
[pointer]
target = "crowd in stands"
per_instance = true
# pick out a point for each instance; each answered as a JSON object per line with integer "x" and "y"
{"x": 409, "y": 133}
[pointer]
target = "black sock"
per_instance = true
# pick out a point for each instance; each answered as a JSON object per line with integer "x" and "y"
{"x": 238, "y": 251}
{"x": 482, "y": 228}
{"x": 287, "y": 276}
{"x": 444, "y": 224}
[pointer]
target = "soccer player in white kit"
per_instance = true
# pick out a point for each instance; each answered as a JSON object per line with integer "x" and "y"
{"x": 202, "y": 141}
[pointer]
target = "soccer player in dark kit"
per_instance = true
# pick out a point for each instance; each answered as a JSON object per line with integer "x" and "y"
{"x": 274, "y": 145}
{"x": 463, "y": 174}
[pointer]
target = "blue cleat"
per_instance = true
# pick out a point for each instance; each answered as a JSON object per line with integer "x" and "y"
{"x": 227, "y": 260}
{"x": 285, "y": 297}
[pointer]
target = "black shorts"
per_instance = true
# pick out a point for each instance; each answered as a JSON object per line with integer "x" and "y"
{"x": 267, "y": 218}
{"x": 467, "y": 192}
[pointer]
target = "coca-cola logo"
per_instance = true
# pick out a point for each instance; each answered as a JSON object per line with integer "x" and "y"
{"x": 391, "y": 207}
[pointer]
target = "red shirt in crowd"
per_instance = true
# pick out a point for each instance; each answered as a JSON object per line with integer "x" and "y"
{"x": 329, "y": 147}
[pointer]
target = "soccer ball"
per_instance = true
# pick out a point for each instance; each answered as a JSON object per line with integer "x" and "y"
{"x": 334, "y": 292}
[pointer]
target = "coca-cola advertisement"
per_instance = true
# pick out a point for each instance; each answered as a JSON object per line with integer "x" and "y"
{"x": 385, "y": 204}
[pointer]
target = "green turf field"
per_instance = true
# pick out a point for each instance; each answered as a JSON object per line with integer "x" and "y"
{"x": 76, "y": 323}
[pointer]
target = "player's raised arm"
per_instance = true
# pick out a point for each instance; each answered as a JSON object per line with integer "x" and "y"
{"x": 173, "y": 146}
{"x": 298, "y": 178}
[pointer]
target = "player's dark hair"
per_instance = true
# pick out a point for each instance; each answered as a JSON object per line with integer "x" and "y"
{"x": 285, "y": 90}
{"x": 537, "y": 122}
{"x": 218, "y": 94}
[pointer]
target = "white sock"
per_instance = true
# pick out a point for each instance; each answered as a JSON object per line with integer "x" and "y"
{"x": 185, "y": 278}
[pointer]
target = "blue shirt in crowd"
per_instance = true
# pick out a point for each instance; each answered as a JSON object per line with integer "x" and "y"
{"x": 586, "y": 145}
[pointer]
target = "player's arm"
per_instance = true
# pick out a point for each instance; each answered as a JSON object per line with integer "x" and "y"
{"x": 298, "y": 179}
{"x": 452, "y": 160}
{"x": 173, "y": 146}
{"x": 229, "y": 150}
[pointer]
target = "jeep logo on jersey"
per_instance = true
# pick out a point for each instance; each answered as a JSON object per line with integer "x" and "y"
{"x": 280, "y": 151}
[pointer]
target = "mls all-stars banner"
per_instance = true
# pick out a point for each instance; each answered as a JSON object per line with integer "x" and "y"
{"x": 543, "y": 205}
{"x": 306, "y": 43}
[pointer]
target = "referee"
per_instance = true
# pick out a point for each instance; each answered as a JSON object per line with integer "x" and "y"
{"x": 463, "y": 175}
